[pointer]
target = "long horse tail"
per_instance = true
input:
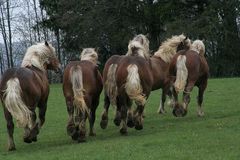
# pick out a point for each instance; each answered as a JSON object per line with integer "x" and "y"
{"x": 133, "y": 85}
{"x": 111, "y": 85}
{"x": 182, "y": 73}
{"x": 78, "y": 91}
{"x": 14, "y": 104}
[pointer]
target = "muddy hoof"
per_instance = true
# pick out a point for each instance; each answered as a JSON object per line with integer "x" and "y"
{"x": 27, "y": 140}
{"x": 117, "y": 121}
{"x": 34, "y": 139}
{"x": 12, "y": 148}
{"x": 92, "y": 134}
{"x": 179, "y": 112}
{"x": 138, "y": 127}
{"x": 74, "y": 136}
{"x": 103, "y": 124}
{"x": 81, "y": 139}
{"x": 123, "y": 131}
{"x": 130, "y": 123}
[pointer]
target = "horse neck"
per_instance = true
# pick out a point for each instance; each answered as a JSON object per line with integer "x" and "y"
{"x": 40, "y": 73}
{"x": 159, "y": 71}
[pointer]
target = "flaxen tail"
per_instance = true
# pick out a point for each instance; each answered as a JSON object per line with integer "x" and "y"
{"x": 79, "y": 103}
{"x": 133, "y": 85}
{"x": 111, "y": 85}
{"x": 182, "y": 73}
{"x": 15, "y": 105}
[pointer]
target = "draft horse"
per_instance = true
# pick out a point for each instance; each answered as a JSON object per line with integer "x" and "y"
{"x": 160, "y": 62}
{"x": 82, "y": 85}
{"x": 25, "y": 88}
{"x": 139, "y": 46}
{"x": 189, "y": 68}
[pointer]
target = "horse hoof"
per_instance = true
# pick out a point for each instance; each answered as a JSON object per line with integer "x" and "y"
{"x": 92, "y": 134}
{"x": 138, "y": 127}
{"x": 103, "y": 124}
{"x": 200, "y": 114}
{"x": 123, "y": 131}
{"x": 162, "y": 111}
{"x": 81, "y": 139}
{"x": 74, "y": 136}
{"x": 179, "y": 112}
{"x": 34, "y": 139}
{"x": 117, "y": 121}
{"x": 130, "y": 123}
{"x": 27, "y": 140}
{"x": 12, "y": 148}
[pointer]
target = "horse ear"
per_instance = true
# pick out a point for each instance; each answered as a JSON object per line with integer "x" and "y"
{"x": 46, "y": 43}
{"x": 148, "y": 35}
{"x": 97, "y": 49}
{"x": 186, "y": 38}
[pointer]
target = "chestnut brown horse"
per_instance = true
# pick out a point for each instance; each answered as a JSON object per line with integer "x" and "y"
{"x": 82, "y": 85}
{"x": 160, "y": 65}
{"x": 139, "y": 46}
{"x": 23, "y": 89}
{"x": 189, "y": 68}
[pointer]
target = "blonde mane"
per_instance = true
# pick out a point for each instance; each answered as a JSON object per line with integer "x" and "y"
{"x": 142, "y": 44}
{"x": 199, "y": 47}
{"x": 89, "y": 54}
{"x": 169, "y": 47}
{"x": 37, "y": 55}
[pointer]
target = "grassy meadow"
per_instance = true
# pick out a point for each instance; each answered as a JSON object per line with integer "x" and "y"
{"x": 216, "y": 136}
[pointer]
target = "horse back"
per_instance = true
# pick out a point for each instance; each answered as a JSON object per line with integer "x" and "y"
{"x": 91, "y": 77}
{"x": 112, "y": 60}
{"x": 33, "y": 83}
{"x": 196, "y": 64}
{"x": 144, "y": 71}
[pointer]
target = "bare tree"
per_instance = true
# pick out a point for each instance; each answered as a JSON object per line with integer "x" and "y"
{"x": 9, "y": 34}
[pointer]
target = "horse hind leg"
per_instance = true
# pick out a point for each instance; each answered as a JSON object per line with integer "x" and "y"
{"x": 201, "y": 90}
{"x": 72, "y": 129}
{"x": 104, "y": 121}
{"x": 161, "y": 109}
{"x": 186, "y": 97}
{"x": 123, "y": 129}
{"x": 130, "y": 121}
{"x": 10, "y": 129}
{"x": 30, "y": 134}
{"x": 117, "y": 118}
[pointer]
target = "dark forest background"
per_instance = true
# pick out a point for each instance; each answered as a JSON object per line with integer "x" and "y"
{"x": 110, "y": 24}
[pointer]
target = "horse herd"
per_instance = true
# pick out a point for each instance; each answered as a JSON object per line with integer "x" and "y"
{"x": 178, "y": 65}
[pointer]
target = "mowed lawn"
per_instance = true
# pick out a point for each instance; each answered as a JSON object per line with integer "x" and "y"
{"x": 214, "y": 136}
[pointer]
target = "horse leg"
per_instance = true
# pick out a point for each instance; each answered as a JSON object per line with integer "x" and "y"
{"x": 42, "y": 112}
{"x": 161, "y": 109}
{"x": 130, "y": 122}
{"x": 123, "y": 129}
{"x": 104, "y": 120}
{"x": 82, "y": 127}
{"x": 30, "y": 134}
{"x": 10, "y": 129}
{"x": 186, "y": 97}
{"x": 117, "y": 118}
{"x": 72, "y": 130}
{"x": 201, "y": 90}
{"x": 138, "y": 119}
{"x": 92, "y": 116}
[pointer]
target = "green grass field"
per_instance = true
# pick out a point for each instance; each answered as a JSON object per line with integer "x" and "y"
{"x": 214, "y": 136}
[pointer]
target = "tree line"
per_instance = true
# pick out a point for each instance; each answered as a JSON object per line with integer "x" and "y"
{"x": 109, "y": 25}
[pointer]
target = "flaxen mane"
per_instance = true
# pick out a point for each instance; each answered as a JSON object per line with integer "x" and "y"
{"x": 169, "y": 47}
{"x": 141, "y": 43}
{"x": 89, "y": 54}
{"x": 199, "y": 47}
{"x": 37, "y": 55}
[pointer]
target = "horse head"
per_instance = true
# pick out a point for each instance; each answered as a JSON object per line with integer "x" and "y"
{"x": 199, "y": 47}
{"x": 90, "y": 54}
{"x": 184, "y": 44}
{"x": 41, "y": 56}
{"x": 139, "y": 46}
